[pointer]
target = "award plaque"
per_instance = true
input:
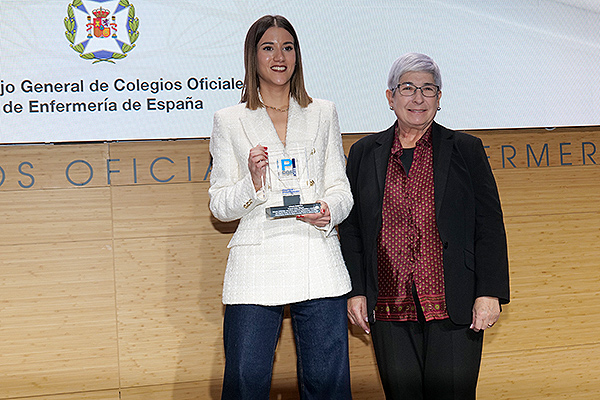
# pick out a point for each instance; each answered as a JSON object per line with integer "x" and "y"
{"x": 289, "y": 168}
{"x": 293, "y": 210}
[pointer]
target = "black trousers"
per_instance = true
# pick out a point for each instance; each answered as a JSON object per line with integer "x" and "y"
{"x": 434, "y": 360}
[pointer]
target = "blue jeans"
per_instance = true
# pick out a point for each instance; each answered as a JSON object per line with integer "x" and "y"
{"x": 250, "y": 335}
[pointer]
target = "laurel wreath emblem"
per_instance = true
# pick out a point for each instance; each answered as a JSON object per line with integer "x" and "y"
{"x": 133, "y": 24}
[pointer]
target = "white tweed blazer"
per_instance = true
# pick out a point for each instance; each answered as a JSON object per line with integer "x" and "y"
{"x": 281, "y": 261}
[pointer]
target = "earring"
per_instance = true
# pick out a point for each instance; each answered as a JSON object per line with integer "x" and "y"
{"x": 439, "y": 108}
{"x": 391, "y": 108}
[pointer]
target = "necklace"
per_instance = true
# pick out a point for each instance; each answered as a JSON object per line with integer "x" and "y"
{"x": 277, "y": 109}
{"x": 271, "y": 107}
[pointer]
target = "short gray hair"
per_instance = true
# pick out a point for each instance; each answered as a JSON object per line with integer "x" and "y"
{"x": 413, "y": 62}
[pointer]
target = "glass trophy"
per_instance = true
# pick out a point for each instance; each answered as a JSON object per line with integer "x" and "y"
{"x": 287, "y": 170}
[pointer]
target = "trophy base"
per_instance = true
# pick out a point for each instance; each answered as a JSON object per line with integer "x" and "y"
{"x": 293, "y": 210}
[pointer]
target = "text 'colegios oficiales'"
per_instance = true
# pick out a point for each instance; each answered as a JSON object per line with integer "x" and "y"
{"x": 175, "y": 95}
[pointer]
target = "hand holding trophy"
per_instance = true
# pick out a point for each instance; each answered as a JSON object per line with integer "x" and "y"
{"x": 320, "y": 219}
{"x": 258, "y": 164}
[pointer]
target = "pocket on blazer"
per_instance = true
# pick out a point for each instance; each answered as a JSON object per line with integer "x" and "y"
{"x": 245, "y": 237}
{"x": 469, "y": 260}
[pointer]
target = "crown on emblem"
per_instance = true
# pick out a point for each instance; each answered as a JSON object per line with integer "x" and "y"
{"x": 100, "y": 12}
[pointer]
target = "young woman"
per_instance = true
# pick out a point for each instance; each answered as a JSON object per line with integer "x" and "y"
{"x": 279, "y": 146}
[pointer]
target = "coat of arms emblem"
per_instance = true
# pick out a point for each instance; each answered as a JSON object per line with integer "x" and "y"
{"x": 100, "y": 24}
{"x": 111, "y": 29}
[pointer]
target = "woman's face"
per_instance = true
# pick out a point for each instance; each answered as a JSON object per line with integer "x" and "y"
{"x": 415, "y": 112}
{"x": 276, "y": 57}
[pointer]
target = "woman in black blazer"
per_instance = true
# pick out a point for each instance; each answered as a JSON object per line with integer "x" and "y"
{"x": 425, "y": 243}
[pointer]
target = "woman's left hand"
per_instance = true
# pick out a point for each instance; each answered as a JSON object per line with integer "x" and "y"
{"x": 319, "y": 219}
{"x": 486, "y": 312}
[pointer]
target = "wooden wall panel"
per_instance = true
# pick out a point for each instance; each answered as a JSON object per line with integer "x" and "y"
{"x": 531, "y": 148}
{"x": 161, "y": 210}
{"x": 153, "y": 162}
{"x": 554, "y": 282}
{"x": 53, "y": 166}
{"x": 564, "y": 372}
{"x": 55, "y": 215}
{"x": 88, "y": 395}
{"x": 180, "y": 391}
{"x": 58, "y": 325}
{"x": 554, "y": 256}
{"x": 169, "y": 309}
{"x": 57, "y": 319}
{"x": 113, "y": 286}
{"x": 549, "y": 191}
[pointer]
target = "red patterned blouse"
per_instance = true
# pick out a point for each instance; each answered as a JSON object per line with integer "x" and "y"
{"x": 409, "y": 246}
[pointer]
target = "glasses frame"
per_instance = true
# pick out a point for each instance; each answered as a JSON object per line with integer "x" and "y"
{"x": 418, "y": 88}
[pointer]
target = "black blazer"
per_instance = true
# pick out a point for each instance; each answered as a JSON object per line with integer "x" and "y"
{"x": 468, "y": 213}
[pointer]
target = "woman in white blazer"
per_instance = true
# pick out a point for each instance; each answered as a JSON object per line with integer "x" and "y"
{"x": 291, "y": 260}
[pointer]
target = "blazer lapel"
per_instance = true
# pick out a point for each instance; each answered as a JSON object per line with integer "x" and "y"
{"x": 442, "y": 151}
{"x": 382, "y": 155}
{"x": 375, "y": 185}
{"x": 303, "y": 123}
{"x": 257, "y": 126}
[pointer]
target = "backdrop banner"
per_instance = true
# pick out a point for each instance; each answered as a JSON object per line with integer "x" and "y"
{"x": 105, "y": 70}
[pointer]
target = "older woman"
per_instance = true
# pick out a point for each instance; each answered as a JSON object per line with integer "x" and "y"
{"x": 425, "y": 243}
{"x": 279, "y": 146}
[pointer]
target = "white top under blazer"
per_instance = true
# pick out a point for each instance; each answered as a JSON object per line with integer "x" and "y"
{"x": 280, "y": 261}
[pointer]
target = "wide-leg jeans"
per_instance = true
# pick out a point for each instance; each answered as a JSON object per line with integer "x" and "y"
{"x": 250, "y": 335}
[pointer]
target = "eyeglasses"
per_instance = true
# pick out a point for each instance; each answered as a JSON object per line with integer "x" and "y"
{"x": 427, "y": 90}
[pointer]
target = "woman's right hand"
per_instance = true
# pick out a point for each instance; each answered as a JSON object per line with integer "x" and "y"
{"x": 258, "y": 162}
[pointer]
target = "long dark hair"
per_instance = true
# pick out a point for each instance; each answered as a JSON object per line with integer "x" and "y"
{"x": 251, "y": 82}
